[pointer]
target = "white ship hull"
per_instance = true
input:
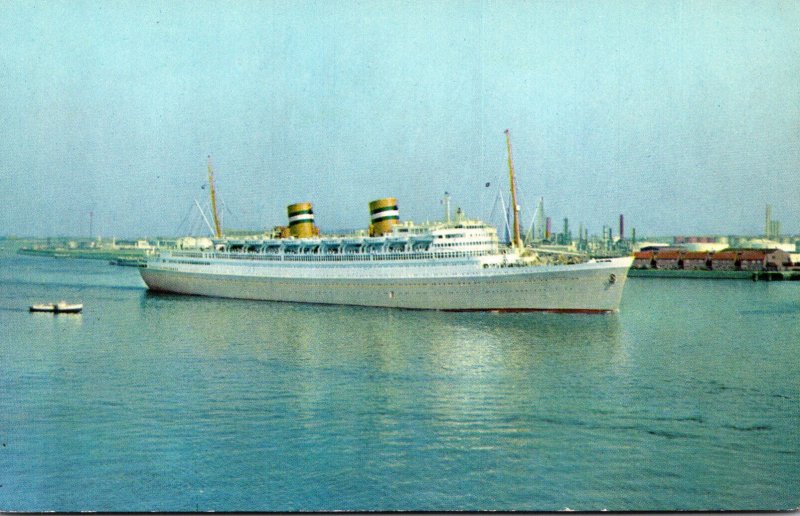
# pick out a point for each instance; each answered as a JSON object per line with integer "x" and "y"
{"x": 455, "y": 265}
{"x": 595, "y": 286}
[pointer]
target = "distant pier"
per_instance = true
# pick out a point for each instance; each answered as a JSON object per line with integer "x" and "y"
{"x": 706, "y": 274}
{"x": 753, "y": 264}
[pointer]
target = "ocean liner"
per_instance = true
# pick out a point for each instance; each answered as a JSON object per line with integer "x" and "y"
{"x": 454, "y": 265}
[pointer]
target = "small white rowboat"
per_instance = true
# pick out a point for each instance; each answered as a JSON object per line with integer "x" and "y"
{"x": 61, "y": 307}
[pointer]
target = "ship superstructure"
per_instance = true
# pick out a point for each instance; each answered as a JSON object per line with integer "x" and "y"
{"x": 405, "y": 242}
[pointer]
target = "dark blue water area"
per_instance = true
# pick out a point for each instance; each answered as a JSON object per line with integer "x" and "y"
{"x": 688, "y": 398}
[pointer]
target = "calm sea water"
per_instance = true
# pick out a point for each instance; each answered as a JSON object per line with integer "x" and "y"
{"x": 687, "y": 399}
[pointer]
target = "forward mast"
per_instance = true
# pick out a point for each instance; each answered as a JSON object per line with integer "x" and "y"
{"x": 217, "y": 227}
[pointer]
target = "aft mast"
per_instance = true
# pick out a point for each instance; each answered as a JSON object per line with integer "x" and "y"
{"x": 217, "y": 228}
{"x": 517, "y": 242}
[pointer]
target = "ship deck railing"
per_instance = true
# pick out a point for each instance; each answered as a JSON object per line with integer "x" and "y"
{"x": 333, "y": 257}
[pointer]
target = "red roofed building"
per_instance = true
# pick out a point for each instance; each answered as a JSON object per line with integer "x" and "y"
{"x": 643, "y": 260}
{"x": 696, "y": 260}
{"x": 725, "y": 261}
{"x": 668, "y": 259}
{"x": 752, "y": 260}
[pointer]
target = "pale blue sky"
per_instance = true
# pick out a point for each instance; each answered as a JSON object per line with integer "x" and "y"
{"x": 684, "y": 116}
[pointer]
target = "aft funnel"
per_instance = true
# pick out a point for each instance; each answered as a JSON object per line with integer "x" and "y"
{"x": 301, "y": 220}
{"x": 383, "y": 215}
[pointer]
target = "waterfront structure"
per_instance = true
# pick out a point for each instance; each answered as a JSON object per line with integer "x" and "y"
{"x": 696, "y": 260}
{"x": 668, "y": 259}
{"x": 644, "y": 260}
{"x": 727, "y": 260}
{"x": 751, "y": 260}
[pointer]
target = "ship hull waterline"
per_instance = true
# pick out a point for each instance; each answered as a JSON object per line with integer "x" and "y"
{"x": 583, "y": 288}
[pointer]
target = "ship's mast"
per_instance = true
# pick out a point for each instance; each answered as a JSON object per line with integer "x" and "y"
{"x": 217, "y": 228}
{"x": 517, "y": 243}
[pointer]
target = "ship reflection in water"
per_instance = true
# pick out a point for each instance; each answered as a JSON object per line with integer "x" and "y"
{"x": 388, "y": 391}
{"x": 391, "y": 340}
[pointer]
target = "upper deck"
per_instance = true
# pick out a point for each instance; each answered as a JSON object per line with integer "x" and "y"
{"x": 407, "y": 241}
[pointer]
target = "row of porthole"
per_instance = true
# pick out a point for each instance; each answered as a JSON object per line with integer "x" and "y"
{"x": 354, "y": 257}
{"x": 461, "y": 244}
